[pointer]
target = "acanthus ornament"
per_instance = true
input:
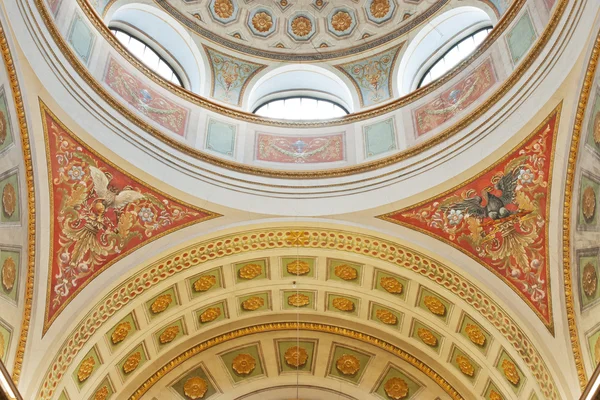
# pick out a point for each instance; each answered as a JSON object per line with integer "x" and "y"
{"x": 169, "y": 334}
{"x": 380, "y": 8}
{"x": 341, "y": 21}
{"x": 465, "y": 365}
{"x": 120, "y": 332}
{"x": 387, "y": 317}
{"x": 253, "y": 303}
{"x": 475, "y": 334}
{"x": 391, "y": 285}
{"x": 204, "y": 283}
{"x": 262, "y": 21}
{"x": 427, "y": 337}
{"x": 243, "y": 364}
{"x": 298, "y": 300}
{"x": 210, "y": 314}
{"x": 346, "y": 272}
{"x": 298, "y": 267}
{"x": 250, "y": 271}
{"x": 588, "y": 206}
{"x": 296, "y": 356}
{"x": 195, "y": 388}
{"x": 132, "y": 362}
{"x": 301, "y": 26}
{"x": 510, "y": 372}
{"x": 102, "y": 393}
{"x": 9, "y": 273}
{"x": 435, "y": 305}
{"x": 396, "y": 388}
{"x": 347, "y": 364}
{"x": 161, "y": 303}
{"x": 589, "y": 280}
{"x": 343, "y": 304}
{"x": 9, "y": 200}
{"x": 224, "y": 8}
{"x": 86, "y": 368}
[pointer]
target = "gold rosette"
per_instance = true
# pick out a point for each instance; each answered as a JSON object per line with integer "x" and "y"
{"x": 298, "y": 268}
{"x": 427, "y": 337}
{"x": 475, "y": 334}
{"x": 132, "y": 362}
{"x": 223, "y": 8}
{"x": 295, "y": 356}
{"x": 101, "y": 394}
{"x": 343, "y": 304}
{"x": 210, "y": 314}
{"x": 250, "y": 271}
{"x": 9, "y": 199}
{"x": 589, "y": 280}
{"x": 510, "y": 372}
{"x": 396, "y": 388}
{"x": 341, "y": 21}
{"x": 204, "y": 283}
{"x": 301, "y": 26}
{"x": 161, "y": 303}
{"x": 345, "y": 272}
{"x": 3, "y": 128}
{"x": 169, "y": 334}
{"x": 588, "y": 206}
{"x": 86, "y": 368}
{"x": 380, "y": 8}
{"x": 298, "y": 300}
{"x": 347, "y": 364}
{"x": 195, "y": 388}
{"x": 9, "y": 273}
{"x": 243, "y": 364}
{"x": 435, "y": 305}
{"x": 262, "y": 21}
{"x": 120, "y": 332}
{"x": 465, "y": 365}
{"x": 495, "y": 395}
{"x": 387, "y": 317}
{"x": 391, "y": 285}
{"x": 253, "y": 303}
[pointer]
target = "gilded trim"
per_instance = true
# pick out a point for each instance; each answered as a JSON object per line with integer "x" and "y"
{"x": 295, "y": 326}
{"x": 28, "y": 166}
{"x": 584, "y": 96}
{"x": 279, "y": 238}
{"x": 240, "y": 115}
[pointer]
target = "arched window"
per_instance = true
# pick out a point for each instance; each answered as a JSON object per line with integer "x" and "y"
{"x": 454, "y": 55}
{"x": 148, "y": 56}
{"x": 301, "y": 108}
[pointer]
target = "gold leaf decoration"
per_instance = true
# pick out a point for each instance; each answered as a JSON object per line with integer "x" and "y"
{"x": 86, "y": 368}
{"x": 169, "y": 334}
{"x": 345, "y": 272}
{"x": 597, "y": 128}
{"x": 262, "y": 21}
{"x": 210, "y": 314}
{"x": 301, "y": 26}
{"x": 495, "y": 395}
{"x": 250, "y": 271}
{"x": 510, "y": 371}
{"x": 427, "y": 337}
{"x": 465, "y": 365}
{"x": 343, "y": 304}
{"x": 298, "y": 267}
{"x": 295, "y": 356}
{"x": 3, "y": 128}
{"x": 161, "y": 303}
{"x": 298, "y": 300}
{"x": 341, "y": 21}
{"x": 475, "y": 334}
{"x": 435, "y": 305}
{"x": 387, "y": 317}
{"x": 297, "y": 238}
{"x": 589, "y": 280}
{"x": 597, "y": 351}
{"x": 253, "y": 303}
{"x": 132, "y": 362}
{"x": 102, "y": 393}
{"x": 380, "y": 8}
{"x": 224, "y": 8}
{"x": 243, "y": 364}
{"x": 396, "y": 388}
{"x": 588, "y": 206}
{"x": 195, "y": 388}
{"x": 2, "y": 344}
{"x": 120, "y": 332}
{"x": 9, "y": 273}
{"x": 204, "y": 283}
{"x": 391, "y": 285}
{"x": 9, "y": 200}
{"x": 347, "y": 364}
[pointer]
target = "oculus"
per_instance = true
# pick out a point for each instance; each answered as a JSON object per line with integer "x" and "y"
{"x": 243, "y": 364}
{"x": 347, "y": 364}
{"x": 195, "y": 388}
{"x": 295, "y": 356}
{"x": 396, "y": 388}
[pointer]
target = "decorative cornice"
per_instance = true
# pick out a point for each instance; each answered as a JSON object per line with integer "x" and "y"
{"x": 295, "y": 326}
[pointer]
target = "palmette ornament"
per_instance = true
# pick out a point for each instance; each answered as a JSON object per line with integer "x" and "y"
{"x": 343, "y": 304}
{"x": 298, "y": 267}
{"x": 510, "y": 372}
{"x": 298, "y": 300}
{"x": 253, "y": 303}
{"x": 120, "y": 332}
{"x": 435, "y": 305}
{"x": 86, "y": 368}
{"x": 161, "y": 303}
{"x": 347, "y": 364}
{"x": 250, "y": 271}
{"x": 427, "y": 337}
{"x": 9, "y": 273}
{"x": 243, "y": 364}
{"x": 396, "y": 388}
{"x": 169, "y": 334}
{"x": 132, "y": 362}
{"x": 387, "y": 317}
{"x": 475, "y": 334}
{"x": 204, "y": 283}
{"x": 465, "y": 365}
{"x": 391, "y": 285}
{"x": 295, "y": 356}
{"x": 195, "y": 388}
{"x": 210, "y": 314}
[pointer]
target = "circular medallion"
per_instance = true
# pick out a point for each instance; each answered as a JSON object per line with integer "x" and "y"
{"x": 396, "y": 388}
{"x": 223, "y": 8}
{"x": 195, "y": 388}
{"x": 510, "y": 372}
{"x": 298, "y": 300}
{"x": 301, "y": 26}
{"x": 588, "y": 206}
{"x": 161, "y": 303}
{"x": 250, "y": 271}
{"x": 85, "y": 369}
{"x": 435, "y": 305}
{"x": 262, "y": 21}
{"x": 120, "y": 332}
{"x": 298, "y": 268}
{"x": 3, "y": 128}
{"x": 210, "y": 314}
{"x": 253, "y": 303}
{"x": 391, "y": 285}
{"x": 380, "y": 8}
{"x": 169, "y": 334}
{"x": 341, "y": 21}
{"x": 387, "y": 317}
{"x": 343, "y": 304}
{"x": 243, "y": 364}
{"x": 132, "y": 362}
{"x": 589, "y": 280}
{"x": 345, "y": 272}
{"x": 204, "y": 283}
{"x": 347, "y": 364}
{"x": 427, "y": 337}
{"x": 9, "y": 200}
{"x": 465, "y": 365}
{"x": 475, "y": 334}
{"x": 9, "y": 273}
{"x": 295, "y": 356}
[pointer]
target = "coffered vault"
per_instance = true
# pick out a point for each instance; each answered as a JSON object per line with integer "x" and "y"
{"x": 162, "y": 241}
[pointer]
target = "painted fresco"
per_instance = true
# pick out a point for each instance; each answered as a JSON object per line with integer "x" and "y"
{"x": 100, "y": 214}
{"x": 456, "y": 99}
{"x": 300, "y": 149}
{"x": 230, "y": 76}
{"x": 521, "y": 37}
{"x": 372, "y": 76}
{"x": 499, "y": 218}
{"x": 147, "y": 101}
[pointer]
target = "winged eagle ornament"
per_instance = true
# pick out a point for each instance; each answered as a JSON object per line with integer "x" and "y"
{"x": 110, "y": 196}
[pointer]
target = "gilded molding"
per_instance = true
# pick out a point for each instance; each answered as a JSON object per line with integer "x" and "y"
{"x": 360, "y": 116}
{"x": 568, "y": 277}
{"x": 28, "y": 169}
{"x": 285, "y": 326}
{"x": 280, "y": 238}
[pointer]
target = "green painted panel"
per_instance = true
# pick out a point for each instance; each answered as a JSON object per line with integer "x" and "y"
{"x": 386, "y": 316}
{"x": 9, "y": 258}
{"x": 245, "y": 271}
{"x": 199, "y": 372}
{"x": 417, "y": 325}
{"x": 143, "y": 360}
{"x": 469, "y": 325}
{"x": 428, "y": 293}
{"x": 587, "y": 263}
{"x": 230, "y": 357}
{"x": 176, "y": 331}
{"x": 5, "y": 336}
{"x": 81, "y": 38}
{"x": 6, "y": 135}
{"x": 521, "y": 37}
{"x": 344, "y": 266}
{"x": 106, "y": 388}
{"x": 130, "y": 323}
{"x": 587, "y": 184}
{"x": 303, "y": 261}
{"x": 284, "y": 345}
{"x": 594, "y": 343}
{"x": 332, "y": 299}
{"x": 289, "y": 293}
{"x": 91, "y": 354}
{"x": 170, "y": 293}
{"x": 593, "y": 129}
{"x": 265, "y": 305}
{"x": 218, "y": 308}
{"x": 63, "y": 396}
{"x": 379, "y": 138}
{"x": 338, "y": 353}
{"x": 199, "y": 283}
{"x": 456, "y": 353}
{"x": 220, "y": 137}
{"x": 515, "y": 387}
{"x": 394, "y": 373}
{"x": 488, "y": 391}
{"x": 13, "y": 215}
{"x": 385, "y": 280}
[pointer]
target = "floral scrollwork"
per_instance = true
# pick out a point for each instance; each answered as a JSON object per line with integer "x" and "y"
{"x": 224, "y": 8}
{"x": 262, "y": 21}
{"x": 253, "y": 303}
{"x": 588, "y": 203}
{"x": 298, "y": 300}
{"x": 9, "y": 199}
{"x": 102, "y": 393}
{"x": 341, "y": 21}
{"x": 380, "y": 8}
{"x": 589, "y": 280}
{"x": 301, "y": 26}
